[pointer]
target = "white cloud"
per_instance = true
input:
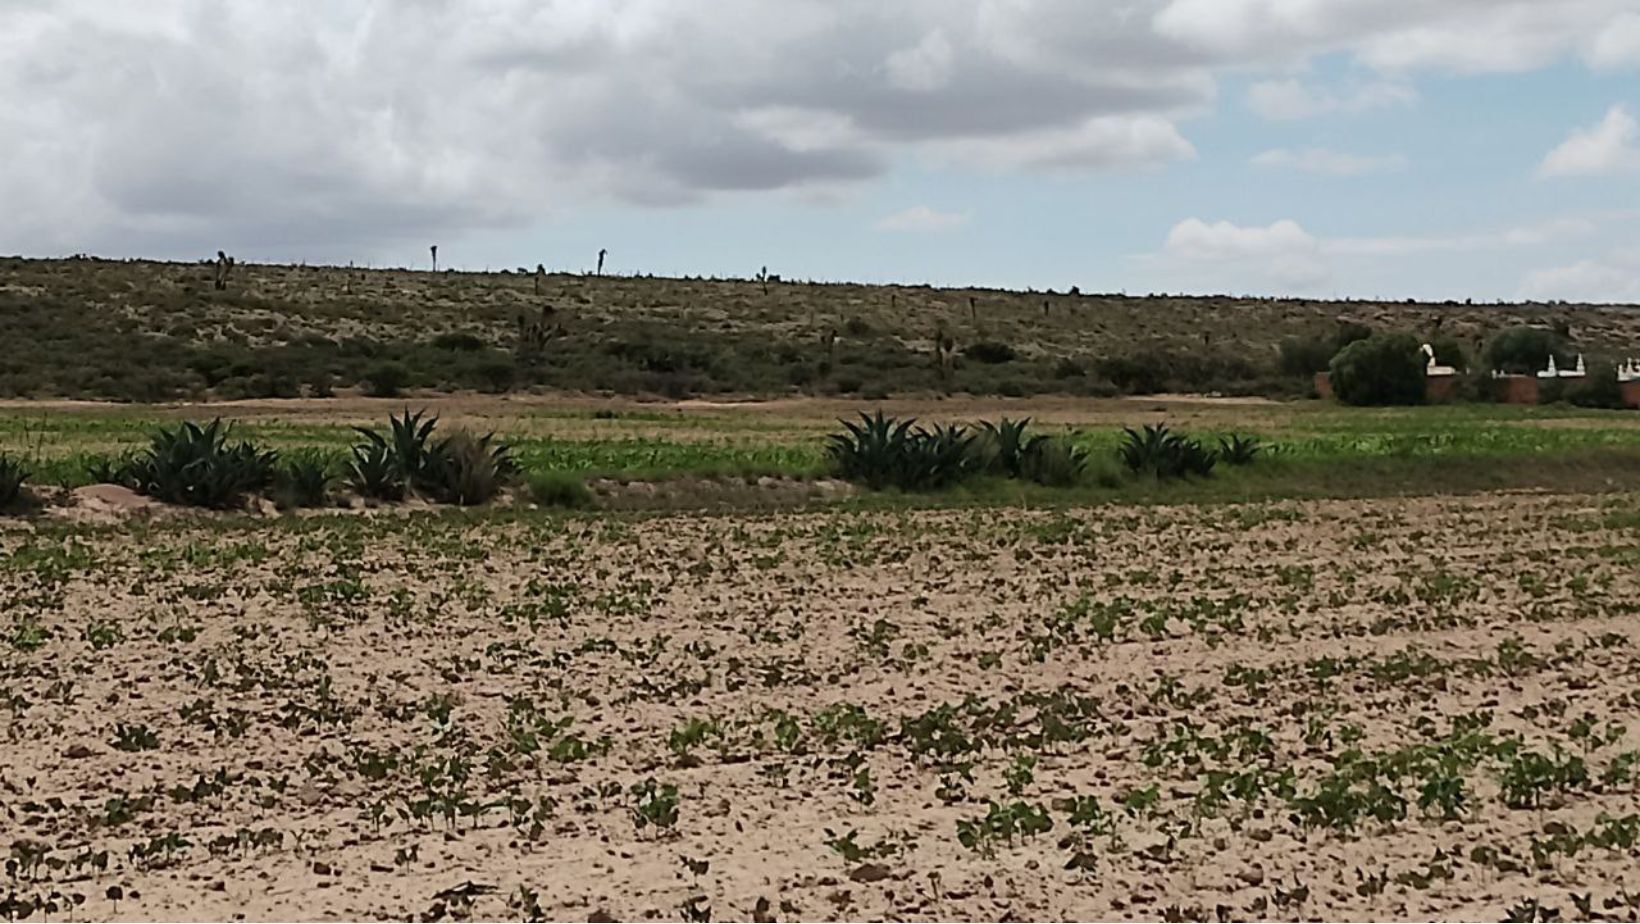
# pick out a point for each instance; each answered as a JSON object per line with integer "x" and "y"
{"x": 1607, "y": 147}
{"x": 1450, "y": 36}
{"x": 1284, "y": 100}
{"x": 921, "y": 218}
{"x": 1328, "y": 161}
{"x": 1613, "y": 278}
{"x": 1283, "y": 256}
{"x": 1522, "y": 236}
{"x": 1617, "y": 45}
{"x": 1282, "y": 251}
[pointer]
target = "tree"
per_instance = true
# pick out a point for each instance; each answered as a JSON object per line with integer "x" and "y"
{"x": 1382, "y": 369}
{"x": 1523, "y": 350}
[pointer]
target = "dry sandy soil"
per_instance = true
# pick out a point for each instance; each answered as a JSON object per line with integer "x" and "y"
{"x": 1366, "y": 710}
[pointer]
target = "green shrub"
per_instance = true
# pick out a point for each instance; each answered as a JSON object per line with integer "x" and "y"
{"x": 990, "y": 352}
{"x": 1384, "y": 369}
{"x": 1598, "y": 389}
{"x": 498, "y": 375}
{"x": 1068, "y": 368}
{"x": 303, "y": 480}
{"x": 1523, "y": 350}
{"x": 1349, "y": 332}
{"x": 1449, "y": 352}
{"x": 559, "y": 489}
{"x": 1157, "y": 451}
{"x": 458, "y": 340}
{"x": 12, "y": 476}
{"x": 1305, "y": 356}
{"x": 387, "y": 379}
{"x": 198, "y": 467}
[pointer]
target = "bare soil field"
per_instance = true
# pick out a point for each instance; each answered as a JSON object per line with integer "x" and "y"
{"x": 1390, "y": 709}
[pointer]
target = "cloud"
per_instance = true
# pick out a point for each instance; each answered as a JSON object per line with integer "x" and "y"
{"x": 1521, "y": 236}
{"x": 181, "y": 126}
{"x": 347, "y": 128}
{"x": 1285, "y": 100}
{"x": 1282, "y": 252}
{"x": 1393, "y": 36}
{"x": 1613, "y": 278}
{"x": 1111, "y": 141}
{"x": 1284, "y": 256}
{"x": 1608, "y": 147}
{"x": 1616, "y": 46}
{"x": 921, "y": 218}
{"x": 924, "y": 67}
{"x": 1329, "y": 162}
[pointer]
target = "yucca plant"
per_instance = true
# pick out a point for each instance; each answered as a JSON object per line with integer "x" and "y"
{"x": 196, "y": 466}
{"x": 373, "y": 472}
{"x": 1239, "y": 450}
{"x": 13, "y": 473}
{"x": 465, "y": 469}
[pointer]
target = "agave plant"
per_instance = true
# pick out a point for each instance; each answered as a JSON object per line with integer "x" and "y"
{"x": 466, "y": 469}
{"x": 938, "y": 457}
{"x": 1158, "y": 451}
{"x": 1141, "y": 450}
{"x": 304, "y": 480}
{"x": 108, "y": 469}
{"x": 1007, "y": 447}
{"x": 374, "y": 472}
{"x": 871, "y": 451}
{"x": 12, "y": 475}
{"x": 1054, "y": 462}
{"x": 881, "y": 451}
{"x": 197, "y": 466}
{"x": 1239, "y": 450}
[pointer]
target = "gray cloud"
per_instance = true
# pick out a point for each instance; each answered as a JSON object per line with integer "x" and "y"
{"x": 178, "y": 126}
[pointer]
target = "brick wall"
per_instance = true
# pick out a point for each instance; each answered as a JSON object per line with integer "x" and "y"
{"x": 1516, "y": 389}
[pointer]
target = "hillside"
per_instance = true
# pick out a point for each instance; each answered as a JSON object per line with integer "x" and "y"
{"x": 87, "y": 328}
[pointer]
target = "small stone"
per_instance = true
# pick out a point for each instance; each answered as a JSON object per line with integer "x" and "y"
{"x": 869, "y": 872}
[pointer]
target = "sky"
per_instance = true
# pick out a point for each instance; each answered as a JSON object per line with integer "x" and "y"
{"x": 1485, "y": 149}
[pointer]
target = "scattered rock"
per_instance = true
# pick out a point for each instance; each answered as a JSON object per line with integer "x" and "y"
{"x": 869, "y": 872}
